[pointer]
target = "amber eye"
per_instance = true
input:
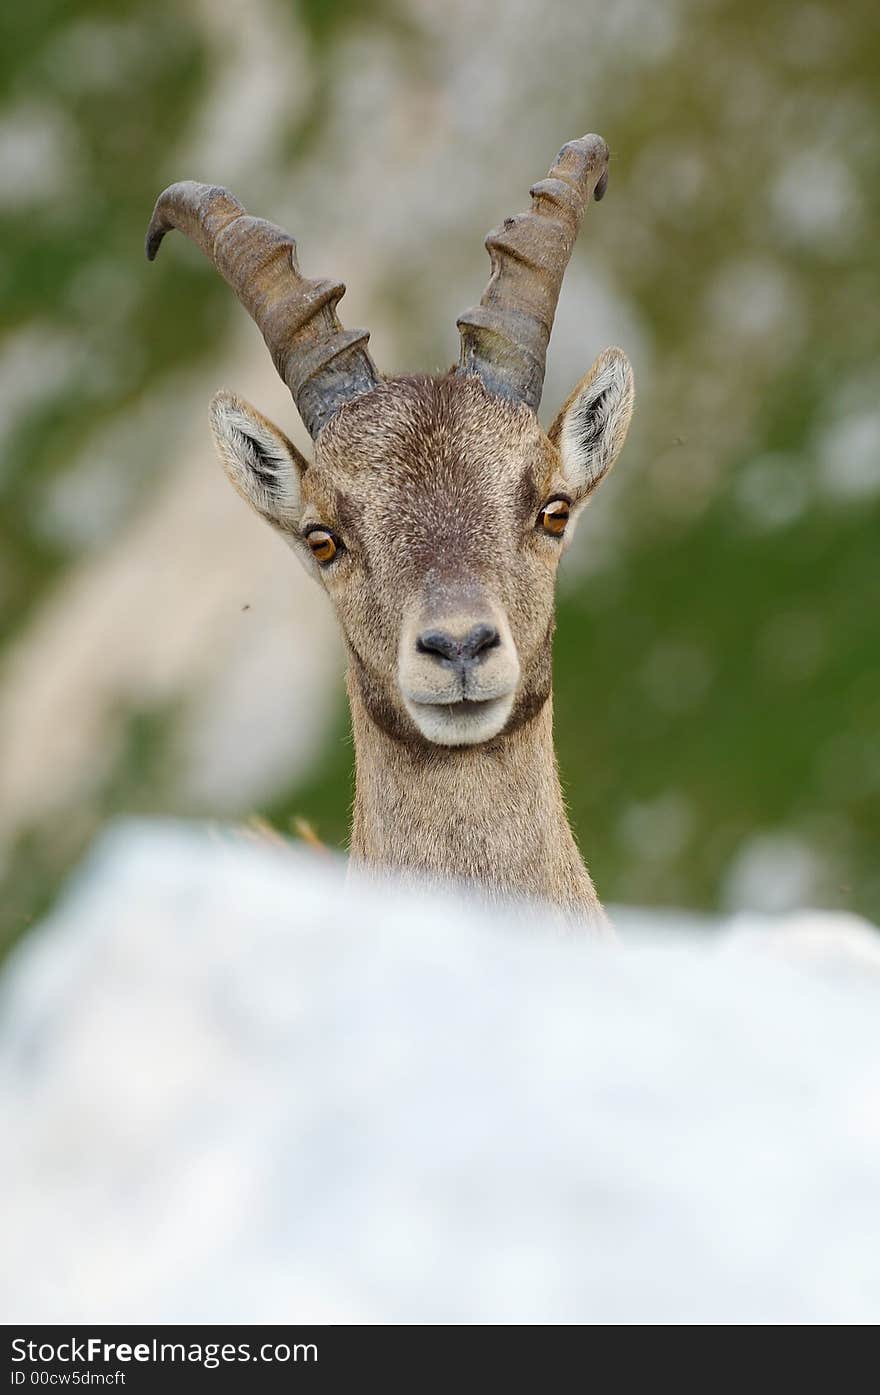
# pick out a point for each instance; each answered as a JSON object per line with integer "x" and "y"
{"x": 554, "y": 516}
{"x": 323, "y": 545}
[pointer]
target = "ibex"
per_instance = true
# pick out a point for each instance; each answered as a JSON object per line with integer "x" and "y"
{"x": 434, "y": 513}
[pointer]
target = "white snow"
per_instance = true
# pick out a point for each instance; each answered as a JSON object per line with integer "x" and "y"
{"x": 236, "y": 1088}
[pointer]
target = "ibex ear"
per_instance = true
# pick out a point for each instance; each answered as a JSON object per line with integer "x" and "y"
{"x": 263, "y": 466}
{"x": 591, "y": 428}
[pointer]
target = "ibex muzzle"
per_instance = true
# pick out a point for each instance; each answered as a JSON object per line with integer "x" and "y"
{"x": 458, "y": 668}
{"x": 434, "y": 512}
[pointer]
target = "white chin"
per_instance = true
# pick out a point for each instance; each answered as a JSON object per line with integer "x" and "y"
{"x": 460, "y": 723}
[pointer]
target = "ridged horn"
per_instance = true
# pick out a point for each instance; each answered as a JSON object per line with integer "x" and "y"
{"x": 504, "y": 339}
{"x": 323, "y": 365}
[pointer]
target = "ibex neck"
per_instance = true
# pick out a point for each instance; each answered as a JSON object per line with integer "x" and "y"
{"x": 490, "y": 815}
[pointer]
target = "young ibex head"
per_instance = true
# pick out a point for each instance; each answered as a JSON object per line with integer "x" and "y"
{"x": 435, "y": 510}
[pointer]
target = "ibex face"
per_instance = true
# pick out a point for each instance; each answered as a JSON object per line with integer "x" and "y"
{"x": 435, "y": 510}
{"x": 435, "y": 514}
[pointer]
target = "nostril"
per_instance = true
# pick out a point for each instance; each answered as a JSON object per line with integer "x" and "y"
{"x": 480, "y": 639}
{"x": 461, "y": 653}
{"x": 439, "y": 643}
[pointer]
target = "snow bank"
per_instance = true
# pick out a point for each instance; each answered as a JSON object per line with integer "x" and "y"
{"x": 234, "y": 1089}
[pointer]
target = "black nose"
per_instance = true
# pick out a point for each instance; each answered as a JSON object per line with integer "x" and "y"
{"x": 459, "y": 653}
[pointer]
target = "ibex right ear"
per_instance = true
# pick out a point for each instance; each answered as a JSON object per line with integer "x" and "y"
{"x": 262, "y": 464}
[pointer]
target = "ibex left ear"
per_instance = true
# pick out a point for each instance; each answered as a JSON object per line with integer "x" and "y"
{"x": 591, "y": 428}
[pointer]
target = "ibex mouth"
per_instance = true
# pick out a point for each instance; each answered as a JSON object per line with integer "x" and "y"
{"x": 466, "y": 707}
{"x": 467, "y": 722}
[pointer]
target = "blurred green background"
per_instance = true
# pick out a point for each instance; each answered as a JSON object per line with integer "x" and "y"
{"x": 718, "y": 684}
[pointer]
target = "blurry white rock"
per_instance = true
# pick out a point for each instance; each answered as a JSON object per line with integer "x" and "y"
{"x": 234, "y": 1089}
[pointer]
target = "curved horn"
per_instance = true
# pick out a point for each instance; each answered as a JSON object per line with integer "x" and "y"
{"x": 323, "y": 365}
{"x": 504, "y": 338}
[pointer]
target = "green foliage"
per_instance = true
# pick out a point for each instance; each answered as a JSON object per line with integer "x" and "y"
{"x": 138, "y": 782}
{"x": 66, "y": 262}
{"x": 324, "y": 799}
{"x": 716, "y": 662}
{"x": 325, "y": 21}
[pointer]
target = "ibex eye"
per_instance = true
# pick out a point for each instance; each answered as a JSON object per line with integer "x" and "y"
{"x": 554, "y": 516}
{"x": 324, "y": 546}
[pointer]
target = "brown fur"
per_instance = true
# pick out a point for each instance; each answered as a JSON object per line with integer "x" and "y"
{"x": 491, "y": 816}
{"x": 434, "y": 488}
{"x": 429, "y": 472}
{"x": 425, "y": 509}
